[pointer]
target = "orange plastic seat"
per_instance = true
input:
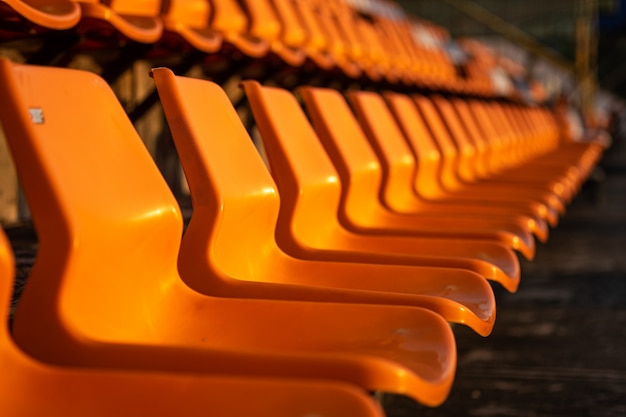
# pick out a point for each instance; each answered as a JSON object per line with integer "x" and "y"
{"x": 48, "y": 14}
{"x": 240, "y": 199}
{"x": 308, "y": 225}
{"x": 189, "y": 21}
{"x": 316, "y": 43}
{"x": 466, "y": 153}
{"x": 361, "y": 176}
{"x": 137, "y": 20}
{"x": 421, "y": 162}
{"x": 106, "y": 292}
{"x": 336, "y": 45}
{"x": 450, "y": 169}
{"x": 398, "y": 165}
{"x": 510, "y": 150}
{"x": 557, "y": 155}
{"x": 30, "y": 387}
{"x": 429, "y": 165}
{"x": 230, "y": 20}
{"x": 482, "y": 154}
{"x": 535, "y": 151}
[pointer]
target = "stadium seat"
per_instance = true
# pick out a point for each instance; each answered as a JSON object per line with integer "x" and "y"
{"x": 21, "y": 18}
{"x": 399, "y": 168}
{"x": 234, "y": 195}
{"x": 30, "y": 387}
{"x": 427, "y": 184}
{"x": 361, "y": 176}
{"x": 309, "y": 186}
{"x": 106, "y": 292}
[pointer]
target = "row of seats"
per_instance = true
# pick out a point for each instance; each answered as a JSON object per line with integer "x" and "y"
{"x": 320, "y": 267}
{"x": 372, "y": 42}
{"x": 296, "y": 290}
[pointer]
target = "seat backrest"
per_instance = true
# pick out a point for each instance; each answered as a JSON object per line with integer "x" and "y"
{"x": 56, "y": 14}
{"x": 343, "y": 139}
{"x": 189, "y": 19}
{"x": 306, "y": 178}
{"x": 145, "y": 8}
{"x": 385, "y": 137}
{"x": 228, "y": 17}
{"x": 474, "y": 134}
{"x": 465, "y": 148}
{"x": 419, "y": 138}
{"x": 441, "y": 135}
{"x": 105, "y": 235}
{"x": 191, "y": 13}
{"x": 235, "y": 201}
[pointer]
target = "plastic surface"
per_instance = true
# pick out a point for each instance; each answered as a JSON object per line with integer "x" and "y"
{"x": 50, "y": 14}
{"x": 429, "y": 165}
{"x": 230, "y": 20}
{"x": 190, "y": 20}
{"x": 309, "y": 226}
{"x": 138, "y": 20}
{"x": 399, "y": 169}
{"x": 30, "y": 387}
{"x": 105, "y": 290}
{"x": 240, "y": 199}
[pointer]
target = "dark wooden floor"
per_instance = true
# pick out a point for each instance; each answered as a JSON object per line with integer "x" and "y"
{"x": 559, "y": 346}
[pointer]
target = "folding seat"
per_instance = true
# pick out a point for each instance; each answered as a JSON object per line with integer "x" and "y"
{"x": 186, "y": 25}
{"x": 429, "y": 160}
{"x": 336, "y": 45}
{"x": 580, "y": 155}
{"x": 309, "y": 220}
{"x": 115, "y": 33}
{"x": 360, "y": 46}
{"x": 316, "y": 45}
{"x": 24, "y": 18}
{"x": 399, "y": 170}
{"x": 135, "y": 20}
{"x": 42, "y": 25}
{"x": 361, "y": 175}
{"x": 545, "y": 166}
{"x": 240, "y": 199}
{"x": 486, "y": 170}
{"x": 31, "y": 387}
{"x": 105, "y": 290}
{"x": 434, "y": 69}
{"x": 449, "y": 176}
{"x": 263, "y": 27}
{"x": 465, "y": 152}
{"x": 526, "y": 148}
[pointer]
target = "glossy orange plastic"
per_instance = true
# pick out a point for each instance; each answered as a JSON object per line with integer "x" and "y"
{"x": 316, "y": 43}
{"x": 450, "y": 166}
{"x": 105, "y": 290}
{"x": 422, "y": 163}
{"x": 336, "y": 45}
{"x": 290, "y": 45}
{"x": 50, "y": 14}
{"x": 569, "y": 160}
{"x": 469, "y": 177}
{"x": 309, "y": 186}
{"x": 138, "y": 20}
{"x": 361, "y": 177}
{"x": 429, "y": 160}
{"x": 190, "y": 20}
{"x": 240, "y": 199}
{"x": 541, "y": 154}
{"x": 230, "y": 20}
{"x": 399, "y": 168}
{"x": 30, "y": 387}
